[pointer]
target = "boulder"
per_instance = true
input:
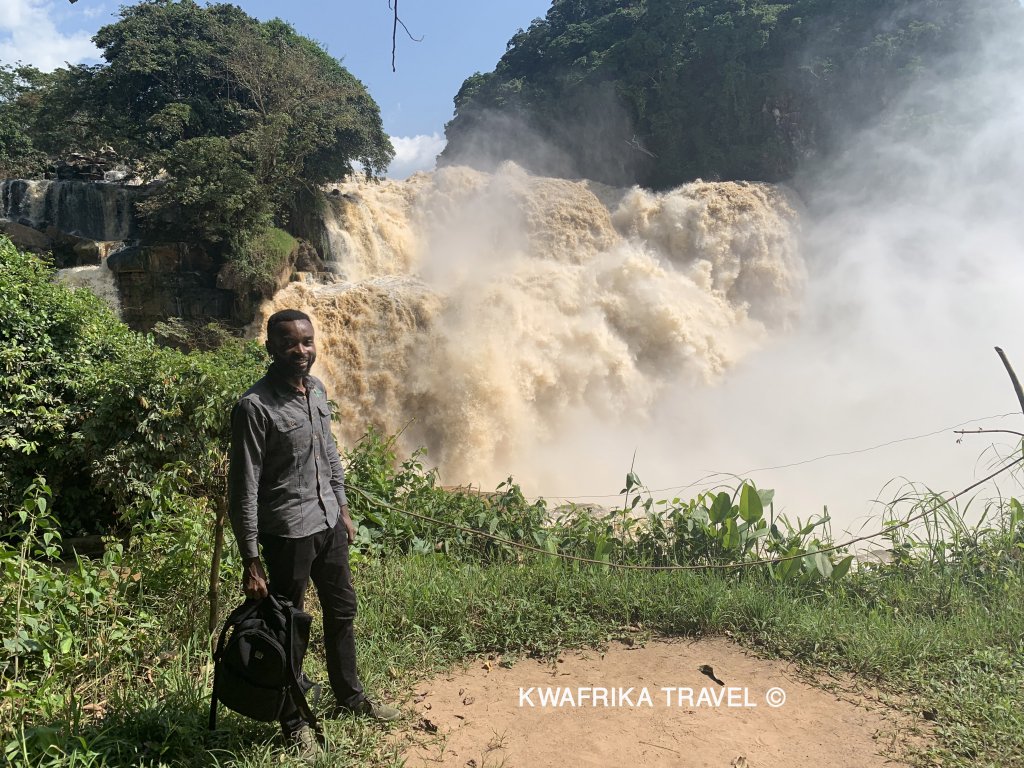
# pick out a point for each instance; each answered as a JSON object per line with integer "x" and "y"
{"x": 307, "y": 259}
{"x": 26, "y": 238}
{"x": 75, "y": 251}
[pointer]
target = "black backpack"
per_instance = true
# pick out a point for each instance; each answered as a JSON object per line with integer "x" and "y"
{"x": 256, "y": 662}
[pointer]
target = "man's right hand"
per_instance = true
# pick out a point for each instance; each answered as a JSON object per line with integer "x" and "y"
{"x": 254, "y": 580}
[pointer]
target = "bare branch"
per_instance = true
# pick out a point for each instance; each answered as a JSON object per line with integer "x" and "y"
{"x": 1009, "y": 370}
{"x": 393, "y": 5}
{"x": 1020, "y": 398}
{"x": 980, "y": 431}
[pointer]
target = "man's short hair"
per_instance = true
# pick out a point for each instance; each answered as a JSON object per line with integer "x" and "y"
{"x": 285, "y": 316}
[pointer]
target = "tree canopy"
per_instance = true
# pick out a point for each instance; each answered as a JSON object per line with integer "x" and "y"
{"x": 658, "y": 92}
{"x": 242, "y": 116}
{"x": 18, "y": 94}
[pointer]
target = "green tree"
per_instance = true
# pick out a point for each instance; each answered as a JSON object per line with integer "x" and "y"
{"x": 243, "y": 117}
{"x": 19, "y": 88}
{"x": 659, "y": 92}
{"x": 96, "y": 408}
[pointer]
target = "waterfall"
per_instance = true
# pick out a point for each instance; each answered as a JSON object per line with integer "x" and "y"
{"x": 481, "y": 312}
{"x": 86, "y": 209}
{"x": 97, "y": 278}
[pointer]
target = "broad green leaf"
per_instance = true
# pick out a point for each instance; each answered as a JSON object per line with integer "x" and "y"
{"x": 720, "y": 508}
{"x": 788, "y": 568}
{"x": 750, "y": 504}
{"x": 823, "y": 564}
{"x": 840, "y": 569}
{"x": 730, "y": 536}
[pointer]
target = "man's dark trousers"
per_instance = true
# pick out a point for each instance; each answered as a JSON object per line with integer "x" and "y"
{"x": 323, "y": 556}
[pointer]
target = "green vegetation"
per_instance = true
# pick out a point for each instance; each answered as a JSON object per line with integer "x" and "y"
{"x": 658, "y": 92}
{"x": 19, "y": 88}
{"x": 104, "y": 662}
{"x": 712, "y": 529}
{"x": 97, "y": 409}
{"x": 115, "y": 672}
{"x": 259, "y": 261}
{"x": 244, "y": 119}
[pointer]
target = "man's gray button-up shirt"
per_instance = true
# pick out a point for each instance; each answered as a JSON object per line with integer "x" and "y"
{"x": 285, "y": 476}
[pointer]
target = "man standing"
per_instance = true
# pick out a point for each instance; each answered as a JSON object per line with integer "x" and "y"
{"x": 286, "y": 496}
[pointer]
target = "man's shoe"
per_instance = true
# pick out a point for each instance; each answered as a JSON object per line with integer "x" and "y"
{"x": 304, "y": 745}
{"x": 367, "y": 708}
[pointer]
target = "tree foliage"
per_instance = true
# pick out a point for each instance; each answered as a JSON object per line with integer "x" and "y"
{"x": 242, "y": 116}
{"x": 96, "y": 408}
{"x": 18, "y": 94}
{"x": 660, "y": 92}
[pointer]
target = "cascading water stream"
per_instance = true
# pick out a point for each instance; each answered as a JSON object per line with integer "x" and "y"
{"x": 84, "y": 209}
{"x": 478, "y": 311}
{"x": 95, "y": 211}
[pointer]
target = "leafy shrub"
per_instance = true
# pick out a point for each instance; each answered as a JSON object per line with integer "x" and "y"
{"x": 713, "y": 529}
{"x": 257, "y": 262}
{"x": 98, "y": 409}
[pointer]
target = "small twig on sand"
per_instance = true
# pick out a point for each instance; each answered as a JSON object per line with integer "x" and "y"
{"x": 649, "y": 744}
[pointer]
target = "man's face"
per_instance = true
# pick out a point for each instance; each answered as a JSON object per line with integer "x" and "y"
{"x": 291, "y": 347}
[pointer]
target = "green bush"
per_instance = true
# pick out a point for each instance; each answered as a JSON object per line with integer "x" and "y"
{"x": 98, "y": 409}
{"x": 257, "y": 262}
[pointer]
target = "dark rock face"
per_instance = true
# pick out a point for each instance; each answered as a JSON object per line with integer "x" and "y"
{"x": 308, "y": 224}
{"x": 105, "y": 165}
{"x": 26, "y": 238}
{"x": 157, "y": 282}
{"x": 307, "y": 259}
{"x": 83, "y": 222}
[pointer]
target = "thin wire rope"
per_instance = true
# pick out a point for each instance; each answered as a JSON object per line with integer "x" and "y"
{"x": 804, "y": 462}
{"x": 696, "y": 567}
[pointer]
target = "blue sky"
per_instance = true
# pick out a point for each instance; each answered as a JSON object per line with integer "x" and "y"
{"x": 459, "y": 37}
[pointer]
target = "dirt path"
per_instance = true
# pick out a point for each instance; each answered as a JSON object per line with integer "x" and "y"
{"x": 490, "y": 715}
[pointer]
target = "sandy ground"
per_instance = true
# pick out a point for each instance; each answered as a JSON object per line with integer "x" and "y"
{"x": 487, "y": 715}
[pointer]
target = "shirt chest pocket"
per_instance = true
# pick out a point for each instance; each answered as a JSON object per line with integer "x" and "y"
{"x": 290, "y": 433}
{"x": 323, "y": 412}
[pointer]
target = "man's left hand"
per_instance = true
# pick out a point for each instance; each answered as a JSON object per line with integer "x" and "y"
{"x": 345, "y": 518}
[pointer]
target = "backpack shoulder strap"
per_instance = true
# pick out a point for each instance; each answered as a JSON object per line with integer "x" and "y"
{"x": 298, "y": 694}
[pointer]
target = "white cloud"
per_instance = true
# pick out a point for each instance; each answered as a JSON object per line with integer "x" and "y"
{"x": 29, "y": 34}
{"x": 413, "y": 153}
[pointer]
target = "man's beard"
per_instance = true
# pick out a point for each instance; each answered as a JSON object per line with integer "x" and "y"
{"x": 290, "y": 367}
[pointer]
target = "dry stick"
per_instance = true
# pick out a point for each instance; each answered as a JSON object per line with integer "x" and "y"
{"x": 981, "y": 431}
{"x": 218, "y": 548}
{"x": 394, "y": 32}
{"x": 1020, "y": 399}
{"x": 667, "y": 749}
{"x": 1013, "y": 378}
{"x": 394, "y": 35}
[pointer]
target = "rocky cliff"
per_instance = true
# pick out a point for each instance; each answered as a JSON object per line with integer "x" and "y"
{"x": 89, "y": 223}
